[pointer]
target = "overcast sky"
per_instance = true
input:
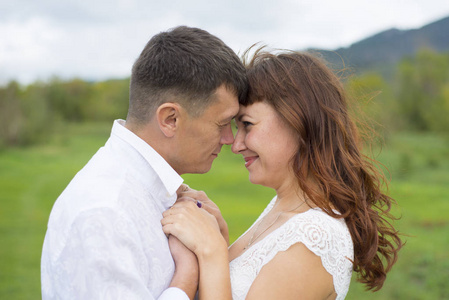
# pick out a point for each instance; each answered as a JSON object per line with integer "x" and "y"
{"x": 100, "y": 39}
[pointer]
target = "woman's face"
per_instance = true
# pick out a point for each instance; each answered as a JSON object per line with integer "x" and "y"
{"x": 267, "y": 145}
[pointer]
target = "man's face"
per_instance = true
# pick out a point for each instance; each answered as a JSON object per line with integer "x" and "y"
{"x": 200, "y": 139}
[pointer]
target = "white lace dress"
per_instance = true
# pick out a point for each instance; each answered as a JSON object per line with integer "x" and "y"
{"x": 327, "y": 237}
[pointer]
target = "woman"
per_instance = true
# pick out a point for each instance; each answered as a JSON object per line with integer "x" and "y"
{"x": 329, "y": 215}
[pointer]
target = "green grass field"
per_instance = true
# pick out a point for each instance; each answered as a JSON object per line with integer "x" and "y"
{"x": 32, "y": 178}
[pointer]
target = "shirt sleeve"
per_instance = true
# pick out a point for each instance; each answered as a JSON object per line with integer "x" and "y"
{"x": 173, "y": 293}
{"x": 103, "y": 259}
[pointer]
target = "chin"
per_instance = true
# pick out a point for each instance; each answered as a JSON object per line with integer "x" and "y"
{"x": 259, "y": 181}
{"x": 201, "y": 169}
{"x": 254, "y": 180}
{"x": 195, "y": 169}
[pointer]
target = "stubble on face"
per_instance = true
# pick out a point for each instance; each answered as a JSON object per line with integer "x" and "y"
{"x": 204, "y": 136}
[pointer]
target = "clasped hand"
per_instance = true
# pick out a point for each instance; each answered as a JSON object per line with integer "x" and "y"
{"x": 199, "y": 229}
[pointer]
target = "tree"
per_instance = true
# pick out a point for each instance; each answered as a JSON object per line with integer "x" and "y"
{"x": 108, "y": 101}
{"x": 372, "y": 102}
{"x": 68, "y": 98}
{"x": 10, "y": 114}
{"x": 422, "y": 81}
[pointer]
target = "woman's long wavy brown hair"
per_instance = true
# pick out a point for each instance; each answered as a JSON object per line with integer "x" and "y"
{"x": 329, "y": 165}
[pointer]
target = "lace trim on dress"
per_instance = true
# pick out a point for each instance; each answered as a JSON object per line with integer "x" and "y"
{"x": 327, "y": 237}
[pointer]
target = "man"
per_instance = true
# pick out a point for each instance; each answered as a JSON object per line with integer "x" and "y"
{"x": 104, "y": 237}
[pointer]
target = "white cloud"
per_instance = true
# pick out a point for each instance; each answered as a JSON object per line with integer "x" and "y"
{"x": 102, "y": 38}
{"x": 27, "y": 47}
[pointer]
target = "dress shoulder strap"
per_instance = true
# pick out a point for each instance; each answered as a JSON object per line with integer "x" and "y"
{"x": 325, "y": 236}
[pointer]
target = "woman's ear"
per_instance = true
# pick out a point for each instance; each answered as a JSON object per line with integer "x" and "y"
{"x": 168, "y": 118}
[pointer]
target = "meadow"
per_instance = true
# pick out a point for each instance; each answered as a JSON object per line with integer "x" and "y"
{"x": 32, "y": 178}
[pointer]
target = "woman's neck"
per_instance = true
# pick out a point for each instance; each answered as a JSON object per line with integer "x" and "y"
{"x": 289, "y": 196}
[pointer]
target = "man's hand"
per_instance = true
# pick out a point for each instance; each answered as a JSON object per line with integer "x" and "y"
{"x": 185, "y": 193}
{"x": 186, "y": 267}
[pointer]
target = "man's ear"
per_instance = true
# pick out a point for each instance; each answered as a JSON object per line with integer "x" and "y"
{"x": 168, "y": 118}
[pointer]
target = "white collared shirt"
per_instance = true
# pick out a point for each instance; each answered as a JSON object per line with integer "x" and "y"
{"x": 104, "y": 238}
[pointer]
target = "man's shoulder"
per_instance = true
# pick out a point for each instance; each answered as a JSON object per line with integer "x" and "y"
{"x": 108, "y": 181}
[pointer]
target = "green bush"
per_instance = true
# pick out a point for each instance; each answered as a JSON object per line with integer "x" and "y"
{"x": 31, "y": 114}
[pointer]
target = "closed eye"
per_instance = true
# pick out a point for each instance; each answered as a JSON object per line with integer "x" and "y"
{"x": 224, "y": 125}
{"x": 244, "y": 123}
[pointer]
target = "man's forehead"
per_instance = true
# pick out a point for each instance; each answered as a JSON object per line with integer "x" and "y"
{"x": 227, "y": 110}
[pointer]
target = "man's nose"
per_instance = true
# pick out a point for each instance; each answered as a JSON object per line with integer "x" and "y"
{"x": 228, "y": 137}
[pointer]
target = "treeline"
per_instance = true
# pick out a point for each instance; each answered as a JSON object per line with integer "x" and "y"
{"x": 417, "y": 98}
{"x": 30, "y": 114}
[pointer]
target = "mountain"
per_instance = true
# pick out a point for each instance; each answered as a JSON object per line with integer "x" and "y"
{"x": 385, "y": 49}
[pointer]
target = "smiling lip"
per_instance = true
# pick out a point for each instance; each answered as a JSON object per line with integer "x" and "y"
{"x": 249, "y": 160}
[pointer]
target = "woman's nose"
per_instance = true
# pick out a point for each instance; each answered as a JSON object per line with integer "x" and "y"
{"x": 239, "y": 142}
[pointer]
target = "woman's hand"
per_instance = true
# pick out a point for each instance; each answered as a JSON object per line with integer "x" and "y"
{"x": 185, "y": 193}
{"x": 199, "y": 228}
{"x": 196, "y": 228}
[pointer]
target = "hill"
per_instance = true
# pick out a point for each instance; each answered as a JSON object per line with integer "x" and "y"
{"x": 386, "y": 48}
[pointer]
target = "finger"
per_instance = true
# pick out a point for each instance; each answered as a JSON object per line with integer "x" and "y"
{"x": 168, "y": 229}
{"x": 168, "y": 220}
{"x": 174, "y": 209}
{"x": 182, "y": 188}
{"x": 185, "y": 211}
{"x": 197, "y": 202}
{"x": 205, "y": 205}
{"x": 177, "y": 214}
{"x": 174, "y": 225}
{"x": 201, "y": 196}
{"x": 187, "y": 205}
{"x": 197, "y": 198}
{"x": 187, "y": 202}
{"x": 195, "y": 194}
{"x": 184, "y": 198}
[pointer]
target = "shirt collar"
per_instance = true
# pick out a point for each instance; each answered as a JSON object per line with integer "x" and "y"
{"x": 170, "y": 179}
